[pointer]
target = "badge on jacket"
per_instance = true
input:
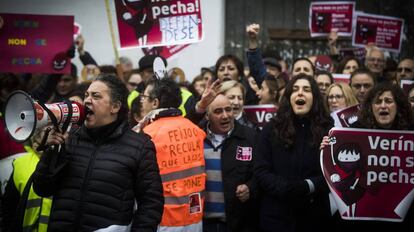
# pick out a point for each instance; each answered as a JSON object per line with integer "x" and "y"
{"x": 195, "y": 203}
{"x": 244, "y": 153}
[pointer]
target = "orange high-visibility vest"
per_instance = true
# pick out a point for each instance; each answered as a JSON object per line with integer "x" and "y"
{"x": 180, "y": 157}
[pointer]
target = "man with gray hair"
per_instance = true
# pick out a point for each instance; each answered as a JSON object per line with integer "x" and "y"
{"x": 126, "y": 64}
{"x": 375, "y": 61}
{"x": 229, "y": 151}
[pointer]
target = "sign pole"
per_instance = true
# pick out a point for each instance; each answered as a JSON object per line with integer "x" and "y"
{"x": 111, "y": 29}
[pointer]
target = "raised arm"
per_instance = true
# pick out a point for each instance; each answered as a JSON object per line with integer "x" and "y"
{"x": 254, "y": 55}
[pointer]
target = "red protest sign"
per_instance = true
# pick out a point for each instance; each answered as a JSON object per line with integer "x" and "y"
{"x": 406, "y": 85}
{"x": 35, "y": 43}
{"x": 260, "y": 114}
{"x": 164, "y": 51}
{"x": 359, "y": 53}
{"x": 385, "y": 32}
{"x": 327, "y": 16}
{"x": 151, "y": 23}
{"x": 370, "y": 173}
{"x": 346, "y": 117}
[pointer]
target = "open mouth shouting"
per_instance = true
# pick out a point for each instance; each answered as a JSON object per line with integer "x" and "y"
{"x": 88, "y": 112}
{"x": 225, "y": 124}
{"x": 300, "y": 102}
{"x": 384, "y": 118}
{"x": 384, "y": 113}
{"x": 301, "y": 106}
{"x": 236, "y": 110}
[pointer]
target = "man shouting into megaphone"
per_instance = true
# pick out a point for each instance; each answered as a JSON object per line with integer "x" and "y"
{"x": 101, "y": 169}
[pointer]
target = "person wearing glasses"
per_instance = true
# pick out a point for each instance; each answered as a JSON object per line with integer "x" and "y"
{"x": 324, "y": 80}
{"x": 361, "y": 81}
{"x": 375, "y": 61}
{"x": 339, "y": 96}
{"x": 405, "y": 70}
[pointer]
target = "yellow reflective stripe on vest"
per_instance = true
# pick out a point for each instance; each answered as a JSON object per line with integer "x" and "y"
{"x": 185, "y": 95}
{"x": 134, "y": 94}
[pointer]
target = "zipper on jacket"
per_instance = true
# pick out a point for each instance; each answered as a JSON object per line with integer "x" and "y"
{"x": 79, "y": 211}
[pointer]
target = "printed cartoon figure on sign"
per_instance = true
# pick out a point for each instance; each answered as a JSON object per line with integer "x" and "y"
{"x": 347, "y": 175}
{"x": 137, "y": 14}
{"x": 322, "y": 21}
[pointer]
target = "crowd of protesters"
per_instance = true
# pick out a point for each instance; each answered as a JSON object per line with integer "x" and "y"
{"x": 167, "y": 154}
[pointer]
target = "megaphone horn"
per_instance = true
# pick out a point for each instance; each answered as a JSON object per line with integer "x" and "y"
{"x": 23, "y": 115}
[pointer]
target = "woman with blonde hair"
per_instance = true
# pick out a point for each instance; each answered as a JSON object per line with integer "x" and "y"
{"x": 339, "y": 96}
{"x": 236, "y": 93}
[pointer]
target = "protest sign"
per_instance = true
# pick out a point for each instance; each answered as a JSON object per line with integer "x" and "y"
{"x": 406, "y": 85}
{"x": 152, "y": 23}
{"x": 370, "y": 172}
{"x": 260, "y": 114}
{"x": 358, "y": 53}
{"x": 385, "y": 32}
{"x": 35, "y": 43}
{"x": 327, "y": 16}
{"x": 340, "y": 77}
{"x": 346, "y": 117}
{"x": 165, "y": 51}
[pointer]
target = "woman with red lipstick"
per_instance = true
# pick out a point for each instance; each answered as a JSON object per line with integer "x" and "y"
{"x": 295, "y": 194}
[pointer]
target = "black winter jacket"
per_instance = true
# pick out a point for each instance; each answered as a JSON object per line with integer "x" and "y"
{"x": 95, "y": 183}
{"x": 281, "y": 172}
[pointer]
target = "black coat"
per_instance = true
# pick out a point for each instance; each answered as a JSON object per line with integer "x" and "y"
{"x": 96, "y": 182}
{"x": 240, "y": 216}
{"x": 280, "y": 172}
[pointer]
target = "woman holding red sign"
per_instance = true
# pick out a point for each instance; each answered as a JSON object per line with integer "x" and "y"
{"x": 385, "y": 108}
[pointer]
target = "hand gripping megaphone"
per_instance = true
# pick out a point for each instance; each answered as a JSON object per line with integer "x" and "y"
{"x": 23, "y": 115}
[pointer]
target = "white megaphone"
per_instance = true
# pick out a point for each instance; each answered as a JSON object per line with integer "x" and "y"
{"x": 23, "y": 115}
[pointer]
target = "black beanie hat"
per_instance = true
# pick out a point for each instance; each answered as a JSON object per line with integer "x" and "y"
{"x": 147, "y": 61}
